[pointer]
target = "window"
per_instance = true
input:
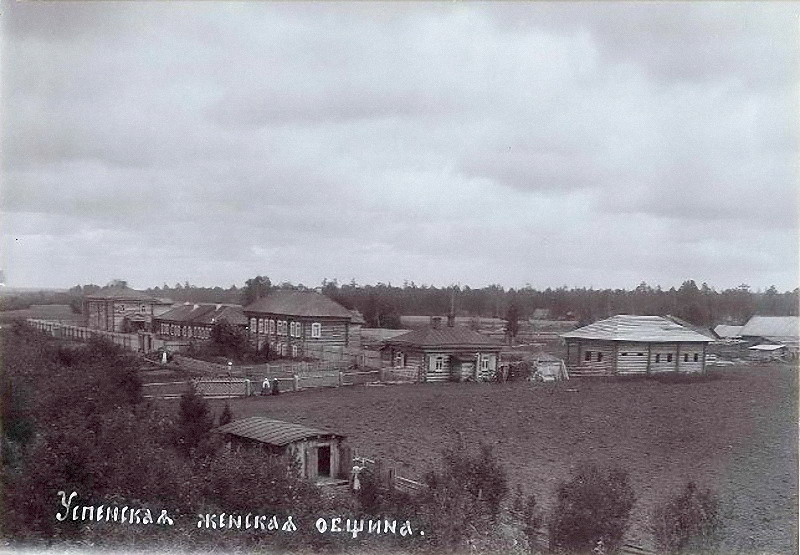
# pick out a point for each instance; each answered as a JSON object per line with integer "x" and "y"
{"x": 316, "y": 330}
{"x": 658, "y": 358}
{"x": 624, "y": 354}
{"x": 696, "y": 357}
{"x": 399, "y": 359}
{"x": 639, "y": 354}
{"x": 485, "y": 362}
{"x": 253, "y": 325}
{"x": 439, "y": 364}
{"x": 669, "y": 357}
{"x": 260, "y": 325}
{"x": 294, "y": 351}
{"x": 599, "y": 357}
{"x": 272, "y": 327}
{"x": 587, "y": 356}
{"x": 685, "y": 357}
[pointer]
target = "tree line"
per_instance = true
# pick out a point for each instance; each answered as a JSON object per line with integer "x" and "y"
{"x": 382, "y": 304}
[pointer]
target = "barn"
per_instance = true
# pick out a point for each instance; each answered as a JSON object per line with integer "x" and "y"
{"x": 323, "y": 456}
{"x": 635, "y": 345}
{"x": 444, "y": 353}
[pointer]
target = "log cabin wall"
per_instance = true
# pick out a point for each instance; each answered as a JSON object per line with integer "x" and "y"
{"x": 595, "y": 357}
{"x": 691, "y": 357}
{"x": 663, "y": 357}
{"x": 632, "y": 358}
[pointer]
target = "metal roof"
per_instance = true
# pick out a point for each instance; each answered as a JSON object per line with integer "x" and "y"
{"x": 273, "y": 432}
{"x": 299, "y": 303}
{"x": 444, "y": 336}
{"x": 767, "y": 347}
{"x": 642, "y": 329}
{"x": 121, "y": 294}
{"x": 726, "y": 331}
{"x": 772, "y": 326}
{"x": 205, "y": 314}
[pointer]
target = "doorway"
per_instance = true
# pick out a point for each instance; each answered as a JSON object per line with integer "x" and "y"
{"x": 324, "y": 460}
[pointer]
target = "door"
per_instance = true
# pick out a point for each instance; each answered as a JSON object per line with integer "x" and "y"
{"x": 324, "y": 460}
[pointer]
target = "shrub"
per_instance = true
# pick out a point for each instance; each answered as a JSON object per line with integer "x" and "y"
{"x": 687, "y": 523}
{"x": 591, "y": 509}
{"x": 194, "y": 422}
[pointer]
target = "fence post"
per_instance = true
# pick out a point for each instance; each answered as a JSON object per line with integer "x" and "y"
{"x": 296, "y": 382}
{"x": 341, "y": 376}
{"x": 380, "y": 374}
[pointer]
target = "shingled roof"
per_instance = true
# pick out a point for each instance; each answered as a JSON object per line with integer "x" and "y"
{"x": 643, "y": 329}
{"x": 444, "y": 336}
{"x": 273, "y": 432}
{"x": 299, "y": 303}
{"x": 121, "y": 294}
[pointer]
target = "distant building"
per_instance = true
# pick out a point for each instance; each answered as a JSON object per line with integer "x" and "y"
{"x": 780, "y": 330}
{"x": 635, "y": 345}
{"x": 194, "y": 321}
{"x": 293, "y": 323}
{"x": 444, "y": 352}
{"x": 321, "y": 455}
{"x": 121, "y": 309}
{"x": 541, "y": 314}
{"x": 727, "y": 332}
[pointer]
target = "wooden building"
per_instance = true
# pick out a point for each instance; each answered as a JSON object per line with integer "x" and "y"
{"x": 293, "y": 322}
{"x": 444, "y": 353}
{"x": 778, "y": 330}
{"x": 322, "y": 456}
{"x": 635, "y": 345}
{"x": 194, "y": 321}
{"x": 122, "y": 309}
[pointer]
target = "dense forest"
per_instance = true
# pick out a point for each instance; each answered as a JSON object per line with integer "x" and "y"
{"x": 383, "y": 304}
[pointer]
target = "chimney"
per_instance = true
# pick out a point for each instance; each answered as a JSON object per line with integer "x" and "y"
{"x": 436, "y": 322}
{"x": 451, "y": 320}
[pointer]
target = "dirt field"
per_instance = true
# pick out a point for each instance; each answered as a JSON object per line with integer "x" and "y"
{"x": 735, "y": 431}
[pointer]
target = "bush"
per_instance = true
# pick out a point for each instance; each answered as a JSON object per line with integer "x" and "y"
{"x": 592, "y": 509}
{"x": 687, "y": 523}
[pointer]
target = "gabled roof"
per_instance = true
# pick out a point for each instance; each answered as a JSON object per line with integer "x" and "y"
{"x": 299, "y": 303}
{"x": 121, "y": 294}
{"x": 643, "y": 329}
{"x": 444, "y": 336}
{"x": 726, "y": 331}
{"x": 772, "y": 326}
{"x": 273, "y": 432}
{"x": 205, "y": 314}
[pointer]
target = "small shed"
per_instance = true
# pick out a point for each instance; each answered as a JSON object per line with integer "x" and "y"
{"x": 549, "y": 368}
{"x": 323, "y": 456}
{"x": 767, "y": 353}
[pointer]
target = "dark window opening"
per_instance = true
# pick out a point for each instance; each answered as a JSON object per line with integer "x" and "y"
{"x": 587, "y": 356}
{"x": 639, "y": 354}
{"x": 658, "y": 358}
{"x": 324, "y": 460}
{"x": 599, "y": 357}
{"x": 669, "y": 357}
{"x": 696, "y": 357}
{"x": 685, "y": 357}
{"x": 624, "y": 354}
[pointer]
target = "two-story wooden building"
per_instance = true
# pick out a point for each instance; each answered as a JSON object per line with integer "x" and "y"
{"x": 122, "y": 309}
{"x": 444, "y": 353}
{"x": 298, "y": 323}
{"x": 194, "y": 321}
{"x": 635, "y": 345}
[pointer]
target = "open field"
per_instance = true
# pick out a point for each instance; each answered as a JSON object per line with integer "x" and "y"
{"x": 735, "y": 431}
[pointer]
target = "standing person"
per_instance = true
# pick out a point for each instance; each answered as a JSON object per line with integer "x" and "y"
{"x": 265, "y": 387}
{"x": 275, "y": 390}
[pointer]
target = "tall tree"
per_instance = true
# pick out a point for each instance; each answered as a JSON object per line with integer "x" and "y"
{"x": 255, "y": 288}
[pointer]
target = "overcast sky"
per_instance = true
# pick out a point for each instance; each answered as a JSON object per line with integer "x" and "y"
{"x": 581, "y": 144}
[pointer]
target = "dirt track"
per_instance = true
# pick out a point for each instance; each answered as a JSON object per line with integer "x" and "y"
{"x": 736, "y": 432}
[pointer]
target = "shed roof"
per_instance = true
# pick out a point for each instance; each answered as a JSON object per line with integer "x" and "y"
{"x": 644, "y": 329}
{"x": 299, "y": 303}
{"x": 445, "y": 336}
{"x": 121, "y": 293}
{"x": 772, "y": 326}
{"x": 767, "y": 347}
{"x": 727, "y": 331}
{"x": 273, "y": 432}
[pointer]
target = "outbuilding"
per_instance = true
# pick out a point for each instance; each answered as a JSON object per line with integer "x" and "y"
{"x": 322, "y": 456}
{"x": 635, "y": 345}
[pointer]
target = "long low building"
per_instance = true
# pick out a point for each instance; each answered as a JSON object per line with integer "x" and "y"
{"x": 635, "y": 345}
{"x": 195, "y": 321}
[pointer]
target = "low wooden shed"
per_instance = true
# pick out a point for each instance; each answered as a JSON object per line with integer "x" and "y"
{"x": 323, "y": 456}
